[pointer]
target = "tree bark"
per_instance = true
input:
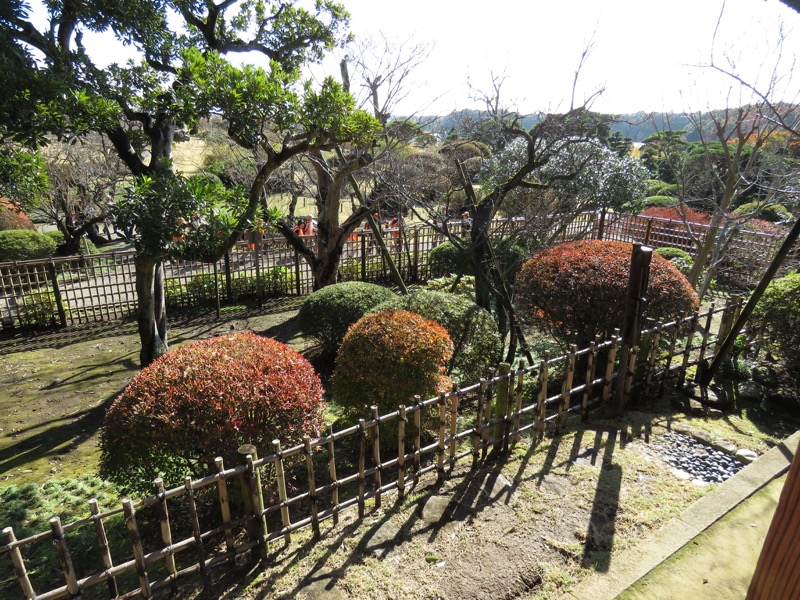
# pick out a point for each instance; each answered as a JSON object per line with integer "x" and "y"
{"x": 151, "y": 309}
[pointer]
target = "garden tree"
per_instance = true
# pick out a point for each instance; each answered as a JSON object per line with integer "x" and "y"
{"x": 23, "y": 177}
{"x": 383, "y": 71}
{"x": 182, "y": 75}
{"x": 84, "y": 177}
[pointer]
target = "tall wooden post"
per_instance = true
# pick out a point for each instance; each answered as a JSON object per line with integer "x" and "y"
{"x": 635, "y": 300}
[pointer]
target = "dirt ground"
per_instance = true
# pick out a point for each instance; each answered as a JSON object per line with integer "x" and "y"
{"x": 526, "y": 525}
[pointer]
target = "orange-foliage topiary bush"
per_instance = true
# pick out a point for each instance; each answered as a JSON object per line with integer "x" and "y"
{"x": 578, "y": 290}
{"x": 12, "y": 217}
{"x": 204, "y": 400}
{"x": 388, "y": 357}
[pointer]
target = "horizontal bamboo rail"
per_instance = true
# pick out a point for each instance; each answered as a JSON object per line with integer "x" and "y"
{"x": 492, "y": 414}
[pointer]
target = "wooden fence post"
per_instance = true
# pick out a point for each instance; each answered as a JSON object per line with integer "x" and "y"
{"x": 487, "y": 413}
{"x": 401, "y": 452}
{"x": 62, "y": 314}
{"x": 638, "y": 279}
{"x": 442, "y": 434}
{"x": 297, "y": 286}
{"x": 417, "y": 439}
{"x": 332, "y": 473}
{"x": 415, "y": 268}
{"x": 63, "y": 557}
{"x": 255, "y": 239}
{"x": 216, "y": 288}
{"x": 375, "y": 436}
{"x": 102, "y": 545}
{"x": 199, "y": 547}
{"x": 607, "y": 377}
{"x": 312, "y": 485}
{"x": 566, "y": 388}
{"x": 477, "y": 431}
{"x": 18, "y": 562}
{"x": 500, "y": 409}
{"x": 228, "y": 282}
{"x": 225, "y": 508}
{"x": 454, "y": 402}
{"x": 166, "y": 533}
{"x": 362, "y": 452}
{"x": 253, "y": 498}
{"x": 541, "y": 407}
{"x": 280, "y": 475}
{"x": 587, "y": 382}
{"x": 136, "y": 542}
{"x": 518, "y": 401}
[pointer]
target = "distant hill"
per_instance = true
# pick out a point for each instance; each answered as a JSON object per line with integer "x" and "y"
{"x": 637, "y": 126}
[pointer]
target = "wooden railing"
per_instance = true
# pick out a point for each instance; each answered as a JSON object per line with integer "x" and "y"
{"x": 349, "y": 469}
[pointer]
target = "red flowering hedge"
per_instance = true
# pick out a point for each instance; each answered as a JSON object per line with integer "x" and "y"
{"x": 388, "y": 357}
{"x": 578, "y": 289}
{"x": 671, "y": 212}
{"x": 204, "y": 400}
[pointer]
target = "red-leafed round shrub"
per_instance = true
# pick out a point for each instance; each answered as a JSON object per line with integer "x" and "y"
{"x": 578, "y": 289}
{"x": 204, "y": 400}
{"x": 12, "y": 217}
{"x": 671, "y": 212}
{"x": 388, "y": 357}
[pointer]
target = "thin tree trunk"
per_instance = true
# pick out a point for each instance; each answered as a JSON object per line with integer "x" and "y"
{"x": 151, "y": 309}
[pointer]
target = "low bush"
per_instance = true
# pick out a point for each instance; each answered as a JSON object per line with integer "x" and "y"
{"x": 11, "y": 217}
{"x": 388, "y": 357}
{"x": 658, "y": 188}
{"x": 473, "y": 331}
{"x": 38, "y": 308}
{"x": 446, "y": 259}
{"x": 675, "y": 214}
{"x": 327, "y": 313}
{"x": 776, "y": 318}
{"x": 774, "y": 213}
{"x": 678, "y": 257}
{"x": 204, "y": 400}
{"x": 464, "y": 287}
{"x": 24, "y": 244}
{"x": 659, "y": 201}
{"x": 200, "y": 289}
{"x": 577, "y": 290}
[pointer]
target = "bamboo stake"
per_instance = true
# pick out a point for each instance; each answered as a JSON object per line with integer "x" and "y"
{"x": 102, "y": 545}
{"x": 673, "y": 340}
{"x": 630, "y": 371}
{"x": 487, "y": 414}
{"x": 166, "y": 533}
{"x": 375, "y": 435}
{"x": 224, "y": 507}
{"x": 518, "y": 401}
{"x": 282, "y": 495}
{"x": 500, "y": 443}
{"x": 417, "y": 445}
{"x": 362, "y": 451}
{"x": 19, "y": 563}
{"x": 138, "y": 551}
{"x": 541, "y": 407}
{"x": 248, "y": 489}
{"x": 607, "y": 377}
{"x": 687, "y": 351}
{"x": 442, "y": 433}
{"x": 705, "y": 334}
{"x": 566, "y": 388}
{"x": 199, "y": 548}
{"x": 476, "y": 432}
{"x": 454, "y": 401}
{"x": 651, "y": 359}
{"x": 401, "y": 453}
{"x": 332, "y": 472}
{"x": 63, "y": 556}
{"x": 587, "y": 387}
{"x": 312, "y": 486}
{"x": 723, "y": 325}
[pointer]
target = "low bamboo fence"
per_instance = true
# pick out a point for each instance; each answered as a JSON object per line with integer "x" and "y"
{"x": 236, "y": 514}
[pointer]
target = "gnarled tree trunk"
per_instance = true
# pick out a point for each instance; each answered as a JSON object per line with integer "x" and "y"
{"x": 151, "y": 310}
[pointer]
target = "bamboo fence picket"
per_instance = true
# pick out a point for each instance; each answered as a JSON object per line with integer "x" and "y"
{"x": 469, "y": 421}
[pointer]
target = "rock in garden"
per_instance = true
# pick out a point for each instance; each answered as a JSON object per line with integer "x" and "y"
{"x": 745, "y": 455}
{"x": 750, "y": 390}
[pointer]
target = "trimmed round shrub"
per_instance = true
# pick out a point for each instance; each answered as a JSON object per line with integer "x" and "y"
{"x": 656, "y": 187}
{"x": 660, "y": 201}
{"x": 465, "y": 287}
{"x": 446, "y": 259}
{"x": 204, "y": 400}
{"x": 578, "y": 289}
{"x": 776, "y": 318}
{"x": 388, "y": 357}
{"x": 24, "y": 244}
{"x": 327, "y": 313}
{"x": 473, "y": 331}
{"x": 774, "y": 213}
{"x": 11, "y": 217}
{"x": 678, "y": 257}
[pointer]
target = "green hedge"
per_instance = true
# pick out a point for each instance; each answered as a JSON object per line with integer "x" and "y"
{"x": 24, "y": 244}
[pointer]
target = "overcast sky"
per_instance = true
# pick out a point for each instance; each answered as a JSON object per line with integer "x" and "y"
{"x": 644, "y": 52}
